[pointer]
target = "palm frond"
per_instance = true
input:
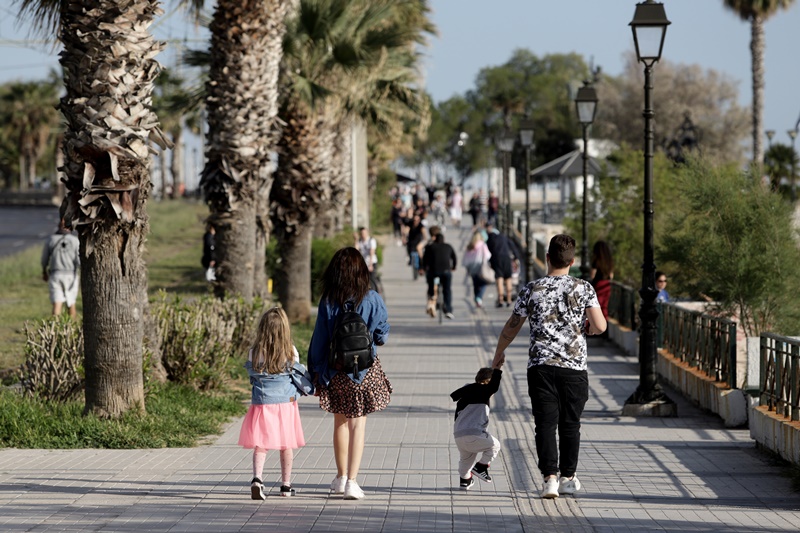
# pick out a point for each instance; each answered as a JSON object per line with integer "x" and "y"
{"x": 44, "y": 15}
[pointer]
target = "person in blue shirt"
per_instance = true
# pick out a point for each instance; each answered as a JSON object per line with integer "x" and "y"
{"x": 349, "y": 397}
{"x": 661, "y": 285}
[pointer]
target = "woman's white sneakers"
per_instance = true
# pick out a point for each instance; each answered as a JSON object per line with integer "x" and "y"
{"x": 352, "y": 491}
{"x": 338, "y": 484}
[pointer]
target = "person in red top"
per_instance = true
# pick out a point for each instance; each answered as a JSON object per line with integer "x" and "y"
{"x": 602, "y": 274}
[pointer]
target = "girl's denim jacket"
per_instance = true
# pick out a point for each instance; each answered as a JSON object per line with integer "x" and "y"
{"x": 372, "y": 310}
{"x": 271, "y": 388}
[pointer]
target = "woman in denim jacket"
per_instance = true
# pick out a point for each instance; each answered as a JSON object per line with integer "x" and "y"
{"x": 349, "y": 397}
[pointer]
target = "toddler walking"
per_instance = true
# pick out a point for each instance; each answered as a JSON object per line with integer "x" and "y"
{"x": 472, "y": 419}
{"x": 273, "y": 420}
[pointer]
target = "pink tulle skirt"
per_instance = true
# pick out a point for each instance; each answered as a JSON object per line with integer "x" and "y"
{"x": 272, "y": 427}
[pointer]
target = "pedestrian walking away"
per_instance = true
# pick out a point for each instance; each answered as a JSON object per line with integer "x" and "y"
{"x": 273, "y": 419}
{"x": 476, "y": 261}
{"x": 560, "y": 310}
{"x": 350, "y": 396}
{"x": 61, "y": 261}
{"x": 502, "y": 261}
{"x": 470, "y": 427}
{"x": 439, "y": 261}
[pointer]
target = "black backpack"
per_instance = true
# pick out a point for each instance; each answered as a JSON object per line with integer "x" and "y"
{"x": 351, "y": 342}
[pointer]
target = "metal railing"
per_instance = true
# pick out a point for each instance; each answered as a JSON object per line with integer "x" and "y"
{"x": 623, "y": 305}
{"x": 703, "y": 341}
{"x": 780, "y": 373}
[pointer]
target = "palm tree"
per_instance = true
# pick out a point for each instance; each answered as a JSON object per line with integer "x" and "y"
{"x": 241, "y": 103}
{"x": 757, "y": 12}
{"x": 108, "y": 68}
{"x": 332, "y": 46}
{"x": 28, "y": 111}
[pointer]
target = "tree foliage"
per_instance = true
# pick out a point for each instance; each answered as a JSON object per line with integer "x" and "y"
{"x": 616, "y": 215}
{"x": 708, "y": 96}
{"x": 736, "y": 245}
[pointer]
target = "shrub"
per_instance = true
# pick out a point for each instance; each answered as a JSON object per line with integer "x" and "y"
{"x": 199, "y": 337}
{"x": 53, "y": 367}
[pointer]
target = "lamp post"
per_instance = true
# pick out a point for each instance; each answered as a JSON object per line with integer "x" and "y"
{"x": 526, "y": 139}
{"x": 586, "y": 107}
{"x": 793, "y": 137}
{"x": 505, "y": 144}
{"x": 770, "y": 134}
{"x": 649, "y": 27}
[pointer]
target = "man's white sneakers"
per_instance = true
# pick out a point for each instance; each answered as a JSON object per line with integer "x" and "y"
{"x": 569, "y": 486}
{"x": 550, "y": 489}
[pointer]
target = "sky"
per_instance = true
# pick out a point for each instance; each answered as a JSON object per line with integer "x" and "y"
{"x": 478, "y": 33}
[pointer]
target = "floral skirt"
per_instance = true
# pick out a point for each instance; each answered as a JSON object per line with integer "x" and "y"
{"x": 346, "y": 397}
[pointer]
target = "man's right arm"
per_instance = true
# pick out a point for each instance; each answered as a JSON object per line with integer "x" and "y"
{"x": 509, "y": 333}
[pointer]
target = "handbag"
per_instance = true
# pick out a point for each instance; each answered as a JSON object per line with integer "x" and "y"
{"x": 487, "y": 273}
{"x": 301, "y": 378}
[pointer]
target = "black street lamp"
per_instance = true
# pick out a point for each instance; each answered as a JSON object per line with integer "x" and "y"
{"x": 586, "y": 106}
{"x": 793, "y": 137}
{"x": 526, "y": 139}
{"x": 649, "y": 28}
{"x": 505, "y": 144}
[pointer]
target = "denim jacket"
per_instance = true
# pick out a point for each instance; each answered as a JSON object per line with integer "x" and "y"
{"x": 372, "y": 310}
{"x": 271, "y": 388}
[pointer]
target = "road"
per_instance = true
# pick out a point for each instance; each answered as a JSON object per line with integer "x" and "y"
{"x": 22, "y": 227}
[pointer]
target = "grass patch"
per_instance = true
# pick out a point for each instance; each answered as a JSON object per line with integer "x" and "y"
{"x": 174, "y": 248}
{"x": 176, "y": 416}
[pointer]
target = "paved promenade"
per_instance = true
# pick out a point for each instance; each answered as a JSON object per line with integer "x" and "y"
{"x": 681, "y": 474}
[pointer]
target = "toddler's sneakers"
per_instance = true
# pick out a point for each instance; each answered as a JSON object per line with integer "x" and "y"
{"x": 466, "y": 484}
{"x": 482, "y": 472}
{"x": 337, "y": 485}
{"x": 257, "y": 490}
{"x": 287, "y": 490}
{"x": 569, "y": 486}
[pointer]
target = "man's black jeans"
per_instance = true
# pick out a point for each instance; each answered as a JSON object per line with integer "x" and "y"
{"x": 558, "y": 396}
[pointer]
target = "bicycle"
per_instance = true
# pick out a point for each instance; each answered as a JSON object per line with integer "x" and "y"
{"x": 438, "y": 295}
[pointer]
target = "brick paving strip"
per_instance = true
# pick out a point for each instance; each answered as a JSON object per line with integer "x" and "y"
{"x": 682, "y": 474}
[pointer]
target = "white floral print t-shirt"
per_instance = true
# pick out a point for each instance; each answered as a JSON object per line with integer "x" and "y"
{"x": 556, "y": 310}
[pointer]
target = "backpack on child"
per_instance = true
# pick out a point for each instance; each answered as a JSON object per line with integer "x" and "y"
{"x": 351, "y": 342}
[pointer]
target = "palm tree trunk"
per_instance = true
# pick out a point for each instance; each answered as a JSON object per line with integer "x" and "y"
{"x": 109, "y": 127}
{"x": 242, "y": 103}
{"x": 262, "y": 228}
{"x": 23, "y": 181}
{"x": 176, "y": 163}
{"x": 293, "y": 279}
{"x": 114, "y": 302}
{"x": 757, "y": 51}
{"x": 162, "y": 167}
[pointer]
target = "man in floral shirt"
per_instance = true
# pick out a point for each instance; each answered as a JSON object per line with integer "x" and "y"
{"x": 561, "y": 310}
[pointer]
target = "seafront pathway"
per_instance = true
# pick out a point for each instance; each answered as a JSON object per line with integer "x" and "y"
{"x": 688, "y": 473}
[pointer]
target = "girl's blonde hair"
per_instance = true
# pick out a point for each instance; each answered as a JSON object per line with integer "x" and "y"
{"x": 473, "y": 242}
{"x": 272, "y": 347}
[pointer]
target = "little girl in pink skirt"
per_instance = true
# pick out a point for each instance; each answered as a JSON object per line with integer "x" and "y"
{"x": 273, "y": 420}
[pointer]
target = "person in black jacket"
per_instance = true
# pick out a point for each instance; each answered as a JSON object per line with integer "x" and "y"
{"x": 439, "y": 261}
{"x": 469, "y": 430}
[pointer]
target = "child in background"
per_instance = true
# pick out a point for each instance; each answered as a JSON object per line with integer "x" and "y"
{"x": 273, "y": 420}
{"x": 472, "y": 419}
